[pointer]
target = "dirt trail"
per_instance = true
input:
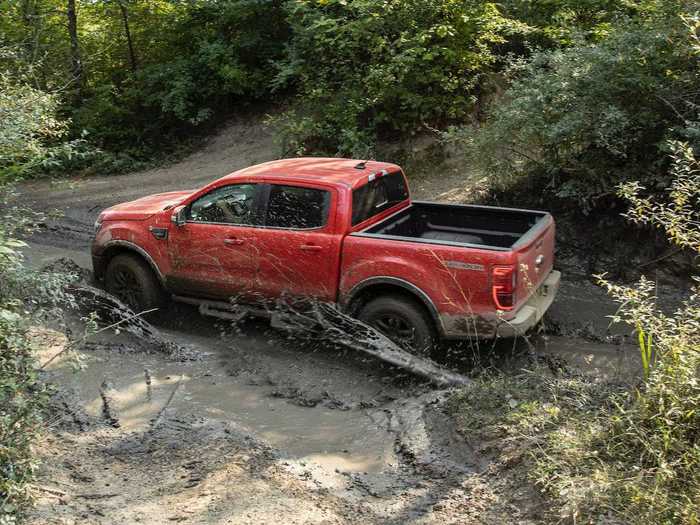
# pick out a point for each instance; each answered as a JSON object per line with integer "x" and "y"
{"x": 263, "y": 429}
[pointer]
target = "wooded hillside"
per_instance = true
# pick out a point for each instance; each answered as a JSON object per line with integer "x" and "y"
{"x": 593, "y": 90}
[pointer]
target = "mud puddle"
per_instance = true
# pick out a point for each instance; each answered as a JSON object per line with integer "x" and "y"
{"x": 143, "y": 388}
{"x": 598, "y": 360}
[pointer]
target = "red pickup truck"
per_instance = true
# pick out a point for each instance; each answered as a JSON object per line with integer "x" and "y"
{"x": 339, "y": 231}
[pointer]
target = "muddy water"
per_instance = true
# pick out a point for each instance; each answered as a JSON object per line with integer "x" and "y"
{"x": 600, "y": 361}
{"x": 139, "y": 386}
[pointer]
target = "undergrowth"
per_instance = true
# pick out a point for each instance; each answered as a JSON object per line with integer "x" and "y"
{"x": 22, "y": 395}
{"x": 25, "y": 296}
{"x": 603, "y": 452}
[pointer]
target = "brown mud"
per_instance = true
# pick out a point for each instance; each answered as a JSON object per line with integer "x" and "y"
{"x": 263, "y": 428}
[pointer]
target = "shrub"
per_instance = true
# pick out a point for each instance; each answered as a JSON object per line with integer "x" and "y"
{"x": 33, "y": 137}
{"x": 580, "y": 120}
{"x": 22, "y": 395}
{"x": 207, "y": 58}
{"x": 30, "y": 139}
{"x": 364, "y": 68}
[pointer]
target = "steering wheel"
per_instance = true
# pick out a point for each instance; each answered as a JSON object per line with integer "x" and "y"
{"x": 240, "y": 208}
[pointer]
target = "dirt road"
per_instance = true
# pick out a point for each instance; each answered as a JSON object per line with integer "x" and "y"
{"x": 261, "y": 428}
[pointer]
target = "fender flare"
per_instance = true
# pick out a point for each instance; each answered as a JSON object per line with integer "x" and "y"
{"x": 423, "y": 297}
{"x": 130, "y": 246}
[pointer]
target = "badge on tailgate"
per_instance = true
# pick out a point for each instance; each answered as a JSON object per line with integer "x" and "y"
{"x": 465, "y": 266}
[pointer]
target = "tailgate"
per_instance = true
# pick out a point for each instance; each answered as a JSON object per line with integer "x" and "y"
{"x": 534, "y": 254}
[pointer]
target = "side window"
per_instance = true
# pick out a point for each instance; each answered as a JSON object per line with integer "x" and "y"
{"x": 228, "y": 205}
{"x": 297, "y": 207}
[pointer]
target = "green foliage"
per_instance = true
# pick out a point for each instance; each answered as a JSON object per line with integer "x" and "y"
{"x": 602, "y": 453}
{"x": 579, "y": 120}
{"x": 192, "y": 61}
{"x": 599, "y": 453}
{"x": 195, "y": 60}
{"x": 679, "y": 214}
{"x": 653, "y": 433}
{"x": 26, "y": 296}
{"x": 32, "y": 136}
{"x": 22, "y": 395}
{"x": 363, "y": 68}
{"x": 558, "y": 23}
{"x": 359, "y": 70}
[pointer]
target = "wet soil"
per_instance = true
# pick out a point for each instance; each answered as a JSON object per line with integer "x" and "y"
{"x": 262, "y": 428}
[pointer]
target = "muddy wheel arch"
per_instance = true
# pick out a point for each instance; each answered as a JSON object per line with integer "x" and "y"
{"x": 367, "y": 290}
{"x": 118, "y": 247}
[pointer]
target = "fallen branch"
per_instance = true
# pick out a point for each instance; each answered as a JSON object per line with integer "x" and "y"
{"x": 96, "y": 496}
{"x": 54, "y": 492}
{"x": 107, "y": 402}
{"x": 161, "y": 413}
{"x": 77, "y": 343}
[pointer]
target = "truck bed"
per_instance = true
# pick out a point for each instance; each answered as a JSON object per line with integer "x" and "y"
{"x": 480, "y": 226}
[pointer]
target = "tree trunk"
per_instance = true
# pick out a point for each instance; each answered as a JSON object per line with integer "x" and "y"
{"x": 31, "y": 21}
{"x": 127, "y": 33}
{"x": 76, "y": 62}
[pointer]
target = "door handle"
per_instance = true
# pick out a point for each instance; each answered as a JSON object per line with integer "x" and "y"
{"x": 310, "y": 248}
{"x": 233, "y": 242}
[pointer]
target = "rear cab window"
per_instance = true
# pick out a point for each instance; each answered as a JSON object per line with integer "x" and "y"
{"x": 380, "y": 193}
{"x": 296, "y": 207}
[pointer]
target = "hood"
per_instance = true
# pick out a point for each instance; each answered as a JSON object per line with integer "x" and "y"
{"x": 144, "y": 207}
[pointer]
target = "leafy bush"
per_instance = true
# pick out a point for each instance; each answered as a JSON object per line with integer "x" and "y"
{"x": 207, "y": 57}
{"x": 31, "y": 134}
{"x": 578, "y": 121}
{"x": 602, "y": 453}
{"x": 661, "y": 426}
{"x": 30, "y": 139}
{"x": 22, "y": 395}
{"x": 364, "y": 68}
{"x": 556, "y": 23}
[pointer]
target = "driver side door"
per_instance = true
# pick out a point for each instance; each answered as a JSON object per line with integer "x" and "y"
{"x": 212, "y": 255}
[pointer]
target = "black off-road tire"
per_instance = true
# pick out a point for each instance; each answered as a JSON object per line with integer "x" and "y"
{"x": 423, "y": 340}
{"x": 131, "y": 279}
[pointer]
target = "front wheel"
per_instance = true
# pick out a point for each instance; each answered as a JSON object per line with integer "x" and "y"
{"x": 131, "y": 280}
{"x": 403, "y": 321}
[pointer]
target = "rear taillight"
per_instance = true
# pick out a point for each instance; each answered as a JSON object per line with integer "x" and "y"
{"x": 503, "y": 287}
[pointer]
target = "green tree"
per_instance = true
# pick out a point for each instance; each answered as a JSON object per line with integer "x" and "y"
{"x": 364, "y": 68}
{"x": 577, "y": 121}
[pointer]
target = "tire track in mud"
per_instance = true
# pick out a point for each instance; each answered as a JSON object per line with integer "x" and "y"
{"x": 414, "y": 475}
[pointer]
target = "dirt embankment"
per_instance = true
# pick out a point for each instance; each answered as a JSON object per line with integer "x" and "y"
{"x": 260, "y": 428}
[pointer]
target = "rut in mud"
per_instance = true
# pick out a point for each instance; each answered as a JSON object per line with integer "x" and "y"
{"x": 154, "y": 427}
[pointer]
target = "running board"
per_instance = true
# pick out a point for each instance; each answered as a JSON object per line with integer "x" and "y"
{"x": 231, "y": 314}
{"x": 219, "y": 309}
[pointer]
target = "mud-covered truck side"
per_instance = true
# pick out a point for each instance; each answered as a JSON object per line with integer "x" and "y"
{"x": 339, "y": 231}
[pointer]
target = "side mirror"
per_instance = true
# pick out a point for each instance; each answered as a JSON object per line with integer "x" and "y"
{"x": 179, "y": 217}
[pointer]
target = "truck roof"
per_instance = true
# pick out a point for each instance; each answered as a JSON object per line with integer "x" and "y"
{"x": 313, "y": 169}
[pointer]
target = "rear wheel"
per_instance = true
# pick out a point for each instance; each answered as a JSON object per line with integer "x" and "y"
{"x": 403, "y": 321}
{"x": 131, "y": 280}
